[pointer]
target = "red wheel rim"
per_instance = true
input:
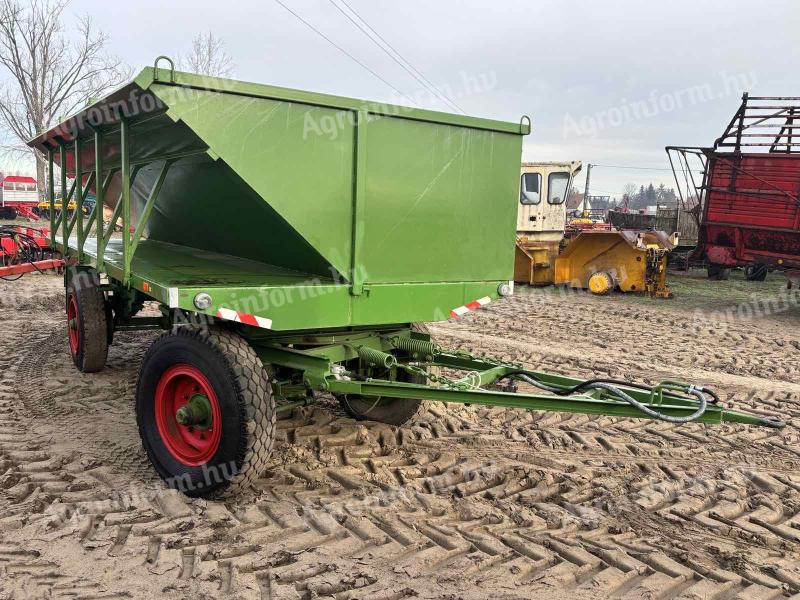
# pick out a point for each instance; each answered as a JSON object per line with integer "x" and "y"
{"x": 73, "y": 325}
{"x": 191, "y": 444}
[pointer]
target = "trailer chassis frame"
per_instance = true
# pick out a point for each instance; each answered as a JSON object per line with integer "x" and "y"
{"x": 352, "y": 363}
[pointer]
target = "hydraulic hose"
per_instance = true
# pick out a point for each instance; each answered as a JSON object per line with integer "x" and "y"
{"x": 589, "y": 382}
{"x": 609, "y": 385}
{"x": 701, "y": 408}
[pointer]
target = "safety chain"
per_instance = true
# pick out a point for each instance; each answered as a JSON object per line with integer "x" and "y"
{"x": 487, "y": 359}
{"x": 455, "y": 384}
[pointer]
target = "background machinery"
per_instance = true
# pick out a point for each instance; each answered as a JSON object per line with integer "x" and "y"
{"x": 25, "y": 250}
{"x": 630, "y": 261}
{"x": 748, "y": 188}
{"x": 320, "y": 289}
{"x": 580, "y": 253}
{"x": 19, "y": 197}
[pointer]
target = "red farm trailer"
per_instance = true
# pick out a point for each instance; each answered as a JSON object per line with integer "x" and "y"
{"x": 20, "y": 197}
{"x": 748, "y": 186}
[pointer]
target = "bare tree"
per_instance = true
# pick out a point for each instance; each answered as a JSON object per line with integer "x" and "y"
{"x": 208, "y": 57}
{"x": 630, "y": 190}
{"x": 52, "y": 72}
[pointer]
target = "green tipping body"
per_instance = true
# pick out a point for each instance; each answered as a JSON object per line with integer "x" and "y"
{"x": 367, "y": 196}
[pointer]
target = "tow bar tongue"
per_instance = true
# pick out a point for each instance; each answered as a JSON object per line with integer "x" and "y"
{"x": 195, "y": 413}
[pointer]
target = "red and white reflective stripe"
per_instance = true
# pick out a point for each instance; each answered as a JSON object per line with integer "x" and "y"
{"x": 240, "y": 317}
{"x": 462, "y": 310}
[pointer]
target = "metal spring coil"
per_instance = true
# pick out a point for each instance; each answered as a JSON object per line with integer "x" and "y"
{"x": 416, "y": 346}
{"x": 376, "y": 358}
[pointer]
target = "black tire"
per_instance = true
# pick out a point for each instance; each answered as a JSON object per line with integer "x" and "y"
{"x": 88, "y": 324}
{"x": 109, "y": 323}
{"x": 246, "y": 404}
{"x": 756, "y": 272}
{"x": 717, "y": 272}
{"x": 392, "y": 411}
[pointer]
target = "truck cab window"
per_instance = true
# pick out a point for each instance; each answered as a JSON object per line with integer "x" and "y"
{"x": 529, "y": 188}
{"x": 557, "y": 187}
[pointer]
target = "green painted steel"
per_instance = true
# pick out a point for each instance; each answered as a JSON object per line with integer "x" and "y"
{"x": 320, "y": 373}
{"x": 375, "y": 213}
{"x": 576, "y": 404}
{"x": 62, "y": 156}
{"x": 293, "y": 300}
{"x": 51, "y": 190}
{"x": 434, "y": 221}
{"x": 338, "y": 221}
{"x": 79, "y": 198}
{"x": 102, "y": 186}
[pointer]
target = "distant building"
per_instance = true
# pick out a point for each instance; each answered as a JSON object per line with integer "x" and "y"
{"x": 575, "y": 202}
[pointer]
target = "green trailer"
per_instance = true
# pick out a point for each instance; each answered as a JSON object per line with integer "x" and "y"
{"x": 294, "y": 242}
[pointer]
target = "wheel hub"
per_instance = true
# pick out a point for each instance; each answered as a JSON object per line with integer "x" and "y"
{"x": 196, "y": 412}
{"x": 188, "y": 415}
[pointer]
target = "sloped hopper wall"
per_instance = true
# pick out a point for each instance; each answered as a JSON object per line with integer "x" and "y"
{"x": 306, "y": 181}
{"x": 203, "y": 204}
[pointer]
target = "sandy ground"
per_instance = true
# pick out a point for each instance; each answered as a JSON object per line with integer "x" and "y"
{"x": 471, "y": 503}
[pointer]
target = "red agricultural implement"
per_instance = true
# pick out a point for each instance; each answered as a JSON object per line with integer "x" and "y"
{"x": 18, "y": 197}
{"x": 25, "y": 250}
{"x": 748, "y": 186}
{"x": 14, "y": 210}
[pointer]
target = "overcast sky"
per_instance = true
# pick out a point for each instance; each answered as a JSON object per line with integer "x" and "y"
{"x": 607, "y": 82}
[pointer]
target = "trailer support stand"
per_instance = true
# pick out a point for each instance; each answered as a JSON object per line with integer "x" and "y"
{"x": 51, "y": 194}
{"x": 62, "y": 154}
{"x": 126, "y": 200}
{"x": 100, "y": 194}
{"x": 79, "y": 196}
{"x": 148, "y": 207}
{"x": 115, "y": 215}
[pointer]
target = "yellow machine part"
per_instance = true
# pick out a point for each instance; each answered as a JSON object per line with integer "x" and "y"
{"x": 534, "y": 261}
{"x": 601, "y": 283}
{"x": 71, "y": 205}
{"x": 633, "y": 261}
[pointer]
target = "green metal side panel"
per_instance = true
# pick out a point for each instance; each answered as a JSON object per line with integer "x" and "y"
{"x": 174, "y": 274}
{"x": 304, "y": 177}
{"x": 310, "y": 211}
{"x": 440, "y": 202}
